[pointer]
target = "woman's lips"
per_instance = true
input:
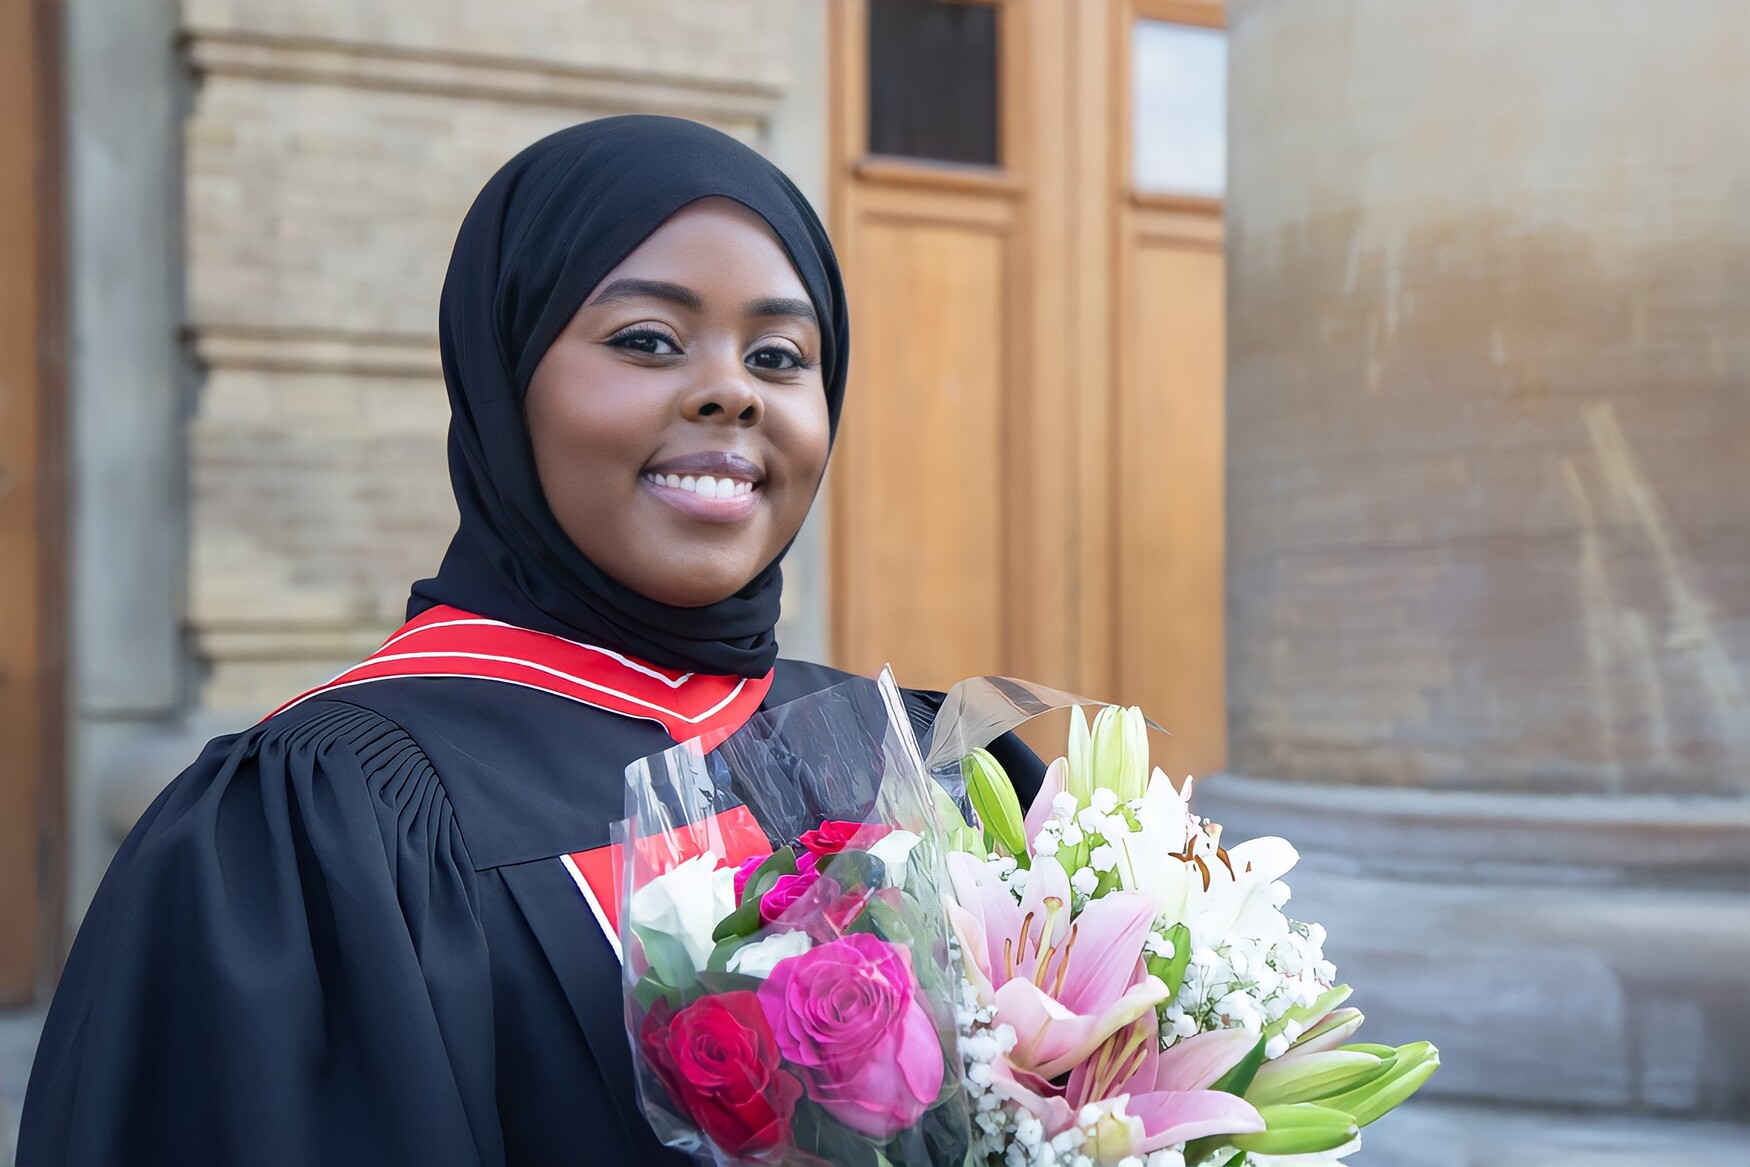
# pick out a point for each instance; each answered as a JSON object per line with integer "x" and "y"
{"x": 713, "y": 499}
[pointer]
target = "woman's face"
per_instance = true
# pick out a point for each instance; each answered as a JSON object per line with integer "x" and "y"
{"x": 679, "y": 421}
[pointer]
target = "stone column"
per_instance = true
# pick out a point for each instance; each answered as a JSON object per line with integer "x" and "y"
{"x": 1489, "y": 523}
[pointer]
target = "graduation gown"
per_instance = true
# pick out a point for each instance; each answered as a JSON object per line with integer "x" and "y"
{"x": 347, "y": 936}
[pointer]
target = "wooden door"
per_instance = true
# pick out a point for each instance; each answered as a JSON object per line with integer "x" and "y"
{"x": 1030, "y": 475}
{"x": 30, "y": 656}
{"x": 948, "y": 487}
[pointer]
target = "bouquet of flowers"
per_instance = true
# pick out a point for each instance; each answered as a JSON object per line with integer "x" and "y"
{"x": 1133, "y": 992}
{"x": 794, "y": 1004}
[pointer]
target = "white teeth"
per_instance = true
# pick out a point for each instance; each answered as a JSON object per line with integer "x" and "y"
{"x": 705, "y": 486}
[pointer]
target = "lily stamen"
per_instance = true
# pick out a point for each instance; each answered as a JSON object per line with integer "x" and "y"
{"x": 1063, "y": 962}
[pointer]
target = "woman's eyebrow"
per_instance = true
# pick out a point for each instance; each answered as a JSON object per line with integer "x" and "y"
{"x": 782, "y": 306}
{"x": 630, "y": 288}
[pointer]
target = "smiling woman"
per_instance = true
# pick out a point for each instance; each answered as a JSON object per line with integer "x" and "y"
{"x": 679, "y": 421}
{"x": 357, "y": 933}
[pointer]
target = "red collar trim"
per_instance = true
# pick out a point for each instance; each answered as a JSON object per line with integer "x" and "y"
{"x": 448, "y": 642}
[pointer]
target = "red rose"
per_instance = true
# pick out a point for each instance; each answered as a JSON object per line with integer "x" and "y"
{"x": 719, "y": 1062}
{"x": 834, "y": 835}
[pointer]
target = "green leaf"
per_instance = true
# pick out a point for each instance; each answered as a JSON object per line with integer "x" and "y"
{"x": 727, "y": 982}
{"x": 1213, "y": 1151}
{"x": 649, "y": 990}
{"x": 1299, "y": 1129}
{"x": 1238, "y": 1079}
{"x": 853, "y": 870}
{"x": 995, "y": 802}
{"x": 669, "y": 961}
{"x": 745, "y": 919}
{"x": 959, "y": 836}
{"x": 890, "y": 923}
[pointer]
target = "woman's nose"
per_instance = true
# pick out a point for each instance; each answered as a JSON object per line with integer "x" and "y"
{"x": 726, "y": 396}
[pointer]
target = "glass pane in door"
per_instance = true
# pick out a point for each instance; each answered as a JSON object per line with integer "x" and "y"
{"x": 1178, "y": 109}
{"x": 933, "y": 80}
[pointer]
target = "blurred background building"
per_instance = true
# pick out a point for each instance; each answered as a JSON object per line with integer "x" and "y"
{"x": 1361, "y": 386}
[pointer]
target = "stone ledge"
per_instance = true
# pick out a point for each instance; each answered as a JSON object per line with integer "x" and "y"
{"x": 288, "y": 641}
{"x": 479, "y": 76}
{"x": 1595, "y": 839}
{"x": 1431, "y": 1134}
{"x": 309, "y": 351}
{"x": 1562, "y": 952}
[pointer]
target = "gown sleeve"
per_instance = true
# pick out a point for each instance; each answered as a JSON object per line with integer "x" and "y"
{"x": 284, "y": 965}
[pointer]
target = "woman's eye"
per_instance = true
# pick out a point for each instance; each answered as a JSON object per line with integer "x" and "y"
{"x": 649, "y": 341}
{"x": 775, "y": 358}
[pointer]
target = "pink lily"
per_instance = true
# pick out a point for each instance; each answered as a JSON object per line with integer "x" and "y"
{"x": 1065, "y": 985}
{"x": 1147, "y": 1099}
{"x": 1049, "y": 788}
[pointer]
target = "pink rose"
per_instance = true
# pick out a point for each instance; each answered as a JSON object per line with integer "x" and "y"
{"x": 847, "y": 1015}
{"x": 791, "y": 890}
{"x": 834, "y": 835}
{"x": 745, "y": 872}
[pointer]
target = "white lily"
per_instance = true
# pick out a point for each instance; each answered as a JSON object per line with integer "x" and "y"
{"x": 1245, "y": 894}
{"x": 1147, "y": 863}
{"x": 1180, "y": 866}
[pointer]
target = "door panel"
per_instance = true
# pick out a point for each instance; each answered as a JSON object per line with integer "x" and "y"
{"x": 1171, "y": 658}
{"x": 923, "y": 539}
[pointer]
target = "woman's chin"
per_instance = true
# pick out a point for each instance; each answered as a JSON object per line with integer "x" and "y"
{"x": 695, "y": 587}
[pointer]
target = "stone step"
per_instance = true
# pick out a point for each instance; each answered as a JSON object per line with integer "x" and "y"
{"x": 1444, "y": 1134}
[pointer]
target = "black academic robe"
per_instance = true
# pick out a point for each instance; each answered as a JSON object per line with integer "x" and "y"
{"x": 345, "y": 937}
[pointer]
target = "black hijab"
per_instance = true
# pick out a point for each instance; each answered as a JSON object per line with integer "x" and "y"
{"x": 539, "y": 238}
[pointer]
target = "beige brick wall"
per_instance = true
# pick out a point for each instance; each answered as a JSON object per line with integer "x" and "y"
{"x": 733, "y": 41}
{"x": 331, "y": 151}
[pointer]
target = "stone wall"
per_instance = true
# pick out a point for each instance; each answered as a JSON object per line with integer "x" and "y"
{"x": 1489, "y": 399}
{"x": 1489, "y": 543}
{"x": 332, "y": 148}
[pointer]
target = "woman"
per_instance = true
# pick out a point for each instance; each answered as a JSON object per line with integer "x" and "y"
{"x": 349, "y": 935}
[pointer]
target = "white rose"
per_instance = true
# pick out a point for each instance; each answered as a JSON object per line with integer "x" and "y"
{"x": 894, "y": 849}
{"x": 758, "y": 959}
{"x": 687, "y": 904}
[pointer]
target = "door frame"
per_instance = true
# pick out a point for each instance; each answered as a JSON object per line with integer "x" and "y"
{"x": 33, "y": 513}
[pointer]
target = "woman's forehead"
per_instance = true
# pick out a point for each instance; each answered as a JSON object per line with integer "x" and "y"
{"x": 712, "y": 248}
